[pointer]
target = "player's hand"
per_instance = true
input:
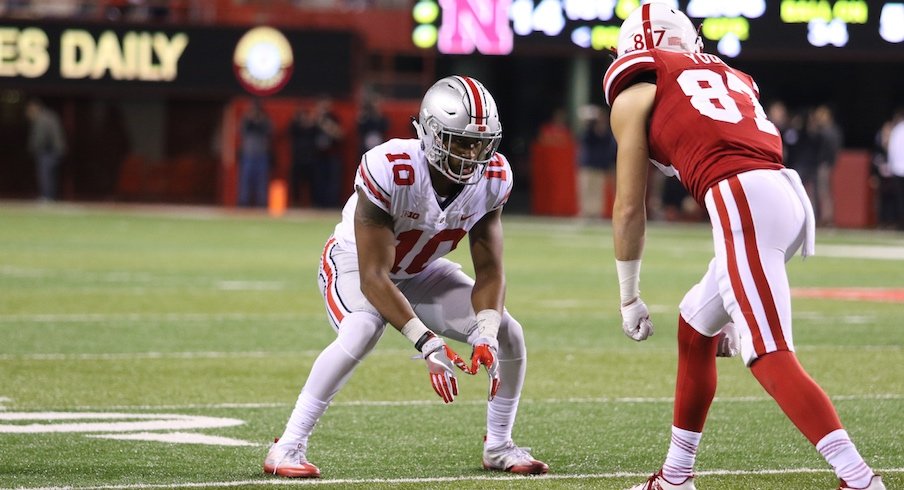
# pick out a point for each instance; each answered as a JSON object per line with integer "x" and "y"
{"x": 636, "y": 321}
{"x": 729, "y": 341}
{"x": 440, "y": 359}
{"x": 484, "y": 353}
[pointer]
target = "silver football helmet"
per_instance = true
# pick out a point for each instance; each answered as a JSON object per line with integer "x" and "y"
{"x": 459, "y": 128}
{"x": 658, "y": 26}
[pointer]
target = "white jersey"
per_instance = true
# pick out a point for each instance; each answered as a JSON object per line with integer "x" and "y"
{"x": 395, "y": 176}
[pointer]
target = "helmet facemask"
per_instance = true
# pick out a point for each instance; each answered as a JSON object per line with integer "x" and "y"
{"x": 459, "y": 128}
{"x": 460, "y": 155}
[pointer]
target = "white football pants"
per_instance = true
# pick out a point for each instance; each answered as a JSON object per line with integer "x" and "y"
{"x": 760, "y": 219}
{"x": 441, "y": 297}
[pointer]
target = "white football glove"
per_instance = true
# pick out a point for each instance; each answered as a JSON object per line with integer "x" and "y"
{"x": 636, "y": 321}
{"x": 440, "y": 360}
{"x": 729, "y": 341}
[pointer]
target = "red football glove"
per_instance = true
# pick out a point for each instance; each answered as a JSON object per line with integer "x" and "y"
{"x": 440, "y": 358}
{"x": 484, "y": 353}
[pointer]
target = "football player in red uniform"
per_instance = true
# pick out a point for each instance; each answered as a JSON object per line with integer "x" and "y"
{"x": 414, "y": 200}
{"x": 698, "y": 119}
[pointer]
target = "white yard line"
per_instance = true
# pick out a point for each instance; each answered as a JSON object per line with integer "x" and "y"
{"x": 444, "y": 479}
{"x": 146, "y": 317}
{"x": 126, "y": 356}
{"x": 413, "y": 403}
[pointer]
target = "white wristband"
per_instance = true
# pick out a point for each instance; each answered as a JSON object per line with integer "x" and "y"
{"x": 628, "y": 279}
{"x": 488, "y": 323}
{"x": 414, "y": 330}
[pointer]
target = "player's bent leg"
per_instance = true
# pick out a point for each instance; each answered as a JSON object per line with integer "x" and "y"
{"x": 500, "y": 452}
{"x": 358, "y": 334}
{"x": 441, "y": 296}
{"x": 512, "y": 357}
{"x": 802, "y": 400}
{"x": 695, "y": 388}
{"x": 701, "y": 319}
{"x": 697, "y": 377}
{"x": 812, "y": 412}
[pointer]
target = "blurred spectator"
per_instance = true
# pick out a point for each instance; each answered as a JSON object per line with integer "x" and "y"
{"x": 896, "y": 163}
{"x": 788, "y": 128}
{"x": 805, "y": 157}
{"x": 372, "y": 124}
{"x": 327, "y": 164}
{"x": 882, "y": 178}
{"x": 555, "y": 131}
{"x": 254, "y": 174}
{"x": 596, "y": 159}
{"x": 302, "y": 134}
{"x": 47, "y": 145}
{"x": 830, "y": 142}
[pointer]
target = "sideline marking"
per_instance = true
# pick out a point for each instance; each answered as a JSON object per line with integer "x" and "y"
{"x": 885, "y": 295}
{"x": 178, "y": 438}
{"x": 880, "y": 252}
{"x": 440, "y": 479}
{"x": 143, "y": 317}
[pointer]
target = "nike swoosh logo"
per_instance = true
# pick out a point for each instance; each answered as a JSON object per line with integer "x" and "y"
{"x": 466, "y": 218}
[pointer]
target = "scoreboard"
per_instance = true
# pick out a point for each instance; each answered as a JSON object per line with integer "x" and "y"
{"x": 805, "y": 29}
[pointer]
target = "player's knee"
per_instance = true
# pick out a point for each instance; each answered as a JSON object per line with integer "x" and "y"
{"x": 359, "y": 333}
{"x": 511, "y": 339}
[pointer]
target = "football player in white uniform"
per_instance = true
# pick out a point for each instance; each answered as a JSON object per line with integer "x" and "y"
{"x": 414, "y": 200}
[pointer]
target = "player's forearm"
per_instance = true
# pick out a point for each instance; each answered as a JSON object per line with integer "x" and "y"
{"x": 387, "y": 299}
{"x": 629, "y": 228}
{"x": 488, "y": 293}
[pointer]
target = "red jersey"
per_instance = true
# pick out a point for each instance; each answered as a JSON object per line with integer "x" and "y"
{"x": 707, "y": 121}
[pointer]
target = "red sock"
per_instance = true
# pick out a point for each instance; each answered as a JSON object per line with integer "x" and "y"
{"x": 802, "y": 400}
{"x": 696, "y": 383}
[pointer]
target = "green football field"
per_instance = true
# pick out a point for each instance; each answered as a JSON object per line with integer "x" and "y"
{"x": 146, "y": 347}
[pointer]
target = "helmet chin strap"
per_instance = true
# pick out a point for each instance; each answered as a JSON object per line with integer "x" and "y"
{"x": 418, "y": 129}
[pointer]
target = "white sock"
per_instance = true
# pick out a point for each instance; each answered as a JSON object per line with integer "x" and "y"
{"x": 841, "y": 453}
{"x": 679, "y": 463}
{"x": 304, "y": 417}
{"x": 500, "y": 420}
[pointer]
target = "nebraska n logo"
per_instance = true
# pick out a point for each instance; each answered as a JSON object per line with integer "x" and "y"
{"x": 470, "y": 24}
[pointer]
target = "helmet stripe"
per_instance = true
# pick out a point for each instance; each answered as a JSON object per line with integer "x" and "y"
{"x": 647, "y": 26}
{"x": 478, "y": 102}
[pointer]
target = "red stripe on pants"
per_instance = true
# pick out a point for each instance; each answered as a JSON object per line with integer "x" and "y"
{"x": 736, "y": 285}
{"x": 756, "y": 265}
{"x": 330, "y": 278}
